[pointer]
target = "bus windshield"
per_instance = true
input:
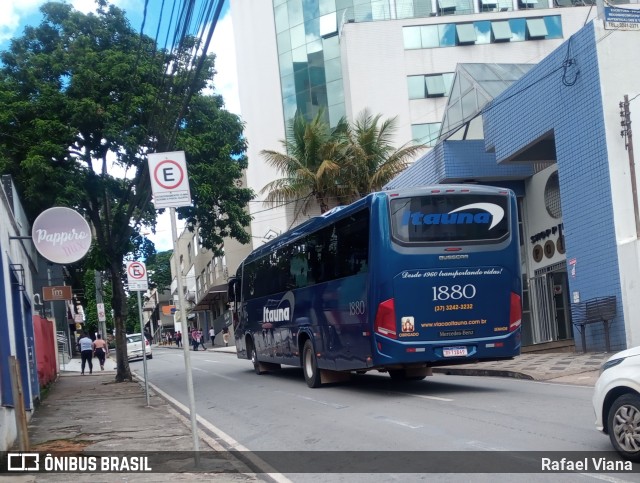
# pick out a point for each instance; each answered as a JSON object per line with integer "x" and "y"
{"x": 449, "y": 219}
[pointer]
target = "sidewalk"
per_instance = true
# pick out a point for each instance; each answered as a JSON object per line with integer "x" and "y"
{"x": 92, "y": 414}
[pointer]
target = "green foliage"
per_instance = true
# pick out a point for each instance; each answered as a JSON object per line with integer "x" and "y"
{"x": 311, "y": 162}
{"x": 83, "y": 99}
{"x": 159, "y": 270}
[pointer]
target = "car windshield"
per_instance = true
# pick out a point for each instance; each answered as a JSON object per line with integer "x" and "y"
{"x": 134, "y": 338}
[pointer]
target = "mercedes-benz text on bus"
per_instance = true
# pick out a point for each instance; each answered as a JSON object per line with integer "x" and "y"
{"x": 399, "y": 282}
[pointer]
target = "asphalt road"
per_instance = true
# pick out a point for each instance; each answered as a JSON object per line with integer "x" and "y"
{"x": 371, "y": 413}
{"x": 278, "y": 411}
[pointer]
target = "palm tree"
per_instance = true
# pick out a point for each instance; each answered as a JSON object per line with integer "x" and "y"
{"x": 372, "y": 160}
{"x": 311, "y": 163}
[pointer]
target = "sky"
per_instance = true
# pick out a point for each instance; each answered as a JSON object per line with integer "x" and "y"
{"x": 16, "y": 14}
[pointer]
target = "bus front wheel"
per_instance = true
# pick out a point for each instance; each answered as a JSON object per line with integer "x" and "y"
{"x": 310, "y": 365}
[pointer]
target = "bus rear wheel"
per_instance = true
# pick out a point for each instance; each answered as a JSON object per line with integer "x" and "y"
{"x": 254, "y": 360}
{"x": 310, "y": 365}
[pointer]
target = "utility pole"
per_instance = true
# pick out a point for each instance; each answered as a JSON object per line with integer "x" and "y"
{"x": 625, "y": 114}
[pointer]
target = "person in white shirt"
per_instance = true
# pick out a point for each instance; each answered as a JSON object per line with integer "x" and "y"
{"x": 86, "y": 352}
{"x": 212, "y": 335}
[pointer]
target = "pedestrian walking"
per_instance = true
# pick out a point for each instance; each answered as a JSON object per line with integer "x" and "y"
{"x": 192, "y": 337}
{"x": 100, "y": 349}
{"x": 225, "y": 336}
{"x": 86, "y": 352}
{"x": 179, "y": 339}
{"x": 212, "y": 335}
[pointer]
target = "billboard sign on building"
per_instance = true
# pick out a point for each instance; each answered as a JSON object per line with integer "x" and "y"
{"x": 617, "y": 18}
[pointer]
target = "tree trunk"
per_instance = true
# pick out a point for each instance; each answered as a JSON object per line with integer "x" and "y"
{"x": 120, "y": 314}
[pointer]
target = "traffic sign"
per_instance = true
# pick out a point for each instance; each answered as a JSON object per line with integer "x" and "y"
{"x": 169, "y": 180}
{"x": 102, "y": 316}
{"x": 137, "y": 276}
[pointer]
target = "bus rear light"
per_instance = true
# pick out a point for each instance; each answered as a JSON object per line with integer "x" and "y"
{"x": 499, "y": 344}
{"x": 366, "y": 333}
{"x": 386, "y": 320}
{"x": 515, "y": 314}
{"x": 452, "y": 249}
{"x": 415, "y": 349}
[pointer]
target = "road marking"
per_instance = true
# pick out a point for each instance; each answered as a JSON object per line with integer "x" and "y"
{"x": 307, "y": 398}
{"x": 400, "y": 423}
{"x": 214, "y": 374}
{"x": 230, "y": 443}
{"x": 434, "y": 398}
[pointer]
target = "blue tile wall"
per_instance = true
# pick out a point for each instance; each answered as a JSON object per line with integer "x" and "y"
{"x": 551, "y": 97}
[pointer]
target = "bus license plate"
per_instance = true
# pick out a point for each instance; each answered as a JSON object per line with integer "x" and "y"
{"x": 454, "y": 351}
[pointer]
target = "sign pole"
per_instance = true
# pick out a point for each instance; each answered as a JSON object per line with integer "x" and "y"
{"x": 170, "y": 188}
{"x": 185, "y": 337}
{"x": 144, "y": 351}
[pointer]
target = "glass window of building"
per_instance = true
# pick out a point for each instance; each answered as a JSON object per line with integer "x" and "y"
{"x": 501, "y": 31}
{"x": 518, "y": 29}
{"x": 281, "y": 16}
{"x": 447, "y": 35}
{"x": 417, "y": 87}
{"x": 483, "y": 32}
{"x": 429, "y": 36}
{"x": 426, "y": 133}
{"x": 554, "y": 26}
{"x": 466, "y": 33}
{"x": 446, "y": 7}
{"x": 328, "y": 25}
{"x": 488, "y": 5}
{"x": 536, "y": 28}
{"x": 435, "y": 86}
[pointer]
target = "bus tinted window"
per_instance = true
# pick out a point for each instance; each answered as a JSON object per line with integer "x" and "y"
{"x": 449, "y": 218}
{"x": 335, "y": 251}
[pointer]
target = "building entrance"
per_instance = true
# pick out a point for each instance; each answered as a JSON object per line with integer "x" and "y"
{"x": 551, "y": 314}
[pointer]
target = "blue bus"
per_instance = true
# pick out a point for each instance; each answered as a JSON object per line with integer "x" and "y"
{"x": 399, "y": 281}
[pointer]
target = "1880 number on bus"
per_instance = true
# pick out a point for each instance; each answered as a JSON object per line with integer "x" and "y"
{"x": 453, "y": 292}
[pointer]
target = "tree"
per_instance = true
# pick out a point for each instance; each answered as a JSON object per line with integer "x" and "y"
{"x": 311, "y": 162}
{"x": 159, "y": 270}
{"x": 337, "y": 165}
{"x": 84, "y": 98}
{"x": 372, "y": 160}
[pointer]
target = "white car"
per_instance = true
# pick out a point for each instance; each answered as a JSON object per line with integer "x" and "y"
{"x": 616, "y": 401}
{"x": 134, "y": 347}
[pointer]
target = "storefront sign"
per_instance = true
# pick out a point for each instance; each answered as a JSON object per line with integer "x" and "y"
{"x": 61, "y": 235}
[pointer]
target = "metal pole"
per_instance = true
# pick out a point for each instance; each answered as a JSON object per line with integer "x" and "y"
{"x": 626, "y": 132}
{"x": 144, "y": 350}
{"x": 185, "y": 337}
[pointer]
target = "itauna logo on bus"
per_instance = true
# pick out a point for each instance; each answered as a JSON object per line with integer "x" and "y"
{"x": 275, "y": 315}
{"x": 489, "y": 214}
{"x": 279, "y": 310}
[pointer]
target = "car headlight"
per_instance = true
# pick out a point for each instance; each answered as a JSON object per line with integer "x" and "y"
{"x": 610, "y": 364}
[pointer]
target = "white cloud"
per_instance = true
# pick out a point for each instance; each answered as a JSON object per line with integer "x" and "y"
{"x": 11, "y": 14}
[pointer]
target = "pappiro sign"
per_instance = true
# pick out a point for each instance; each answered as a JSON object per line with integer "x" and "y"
{"x": 169, "y": 181}
{"x": 61, "y": 235}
